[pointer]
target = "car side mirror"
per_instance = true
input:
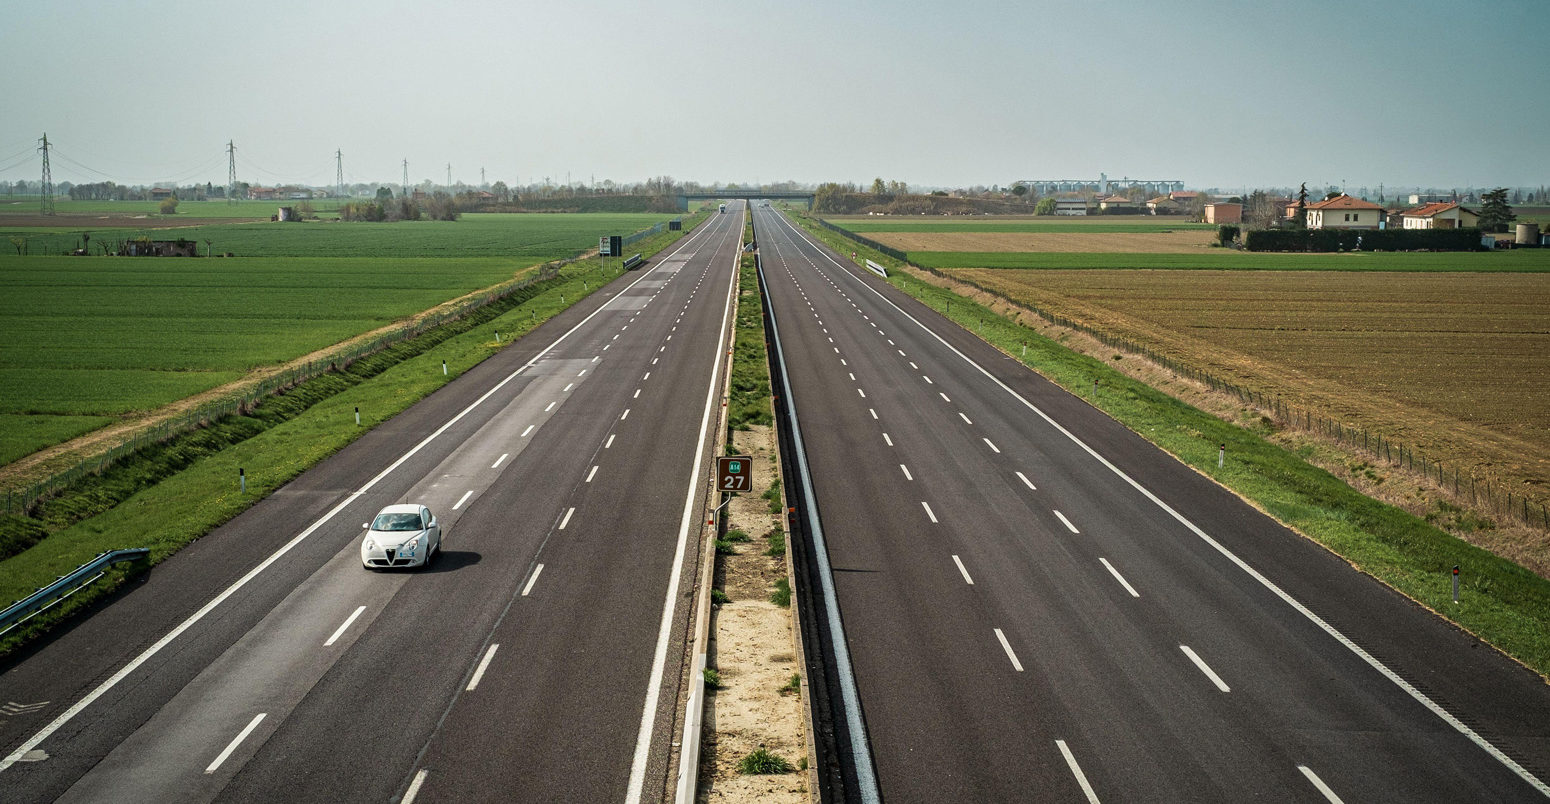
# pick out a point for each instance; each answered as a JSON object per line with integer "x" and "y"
{"x": 366, "y": 525}
{"x": 433, "y": 522}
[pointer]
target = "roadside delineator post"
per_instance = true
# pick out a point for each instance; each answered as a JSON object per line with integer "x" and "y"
{"x": 443, "y": 368}
{"x": 1455, "y": 583}
{"x": 242, "y": 480}
{"x": 1221, "y": 456}
{"x": 357, "y": 415}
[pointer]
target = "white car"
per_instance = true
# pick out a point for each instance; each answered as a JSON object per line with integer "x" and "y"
{"x": 401, "y": 536}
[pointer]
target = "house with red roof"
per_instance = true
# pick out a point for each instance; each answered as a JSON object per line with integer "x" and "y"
{"x": 1439, "y": 215}
{"x": 1344, "y": 212}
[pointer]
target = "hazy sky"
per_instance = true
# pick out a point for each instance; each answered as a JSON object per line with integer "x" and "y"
{"x": 1221, "y": 93}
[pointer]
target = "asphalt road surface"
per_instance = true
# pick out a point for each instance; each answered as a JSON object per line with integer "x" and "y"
{"x": 1041, "y": 606}
{"x": 537, "y": 659}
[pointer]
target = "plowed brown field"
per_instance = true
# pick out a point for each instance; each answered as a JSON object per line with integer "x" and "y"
{"x": 1172, "y": 242}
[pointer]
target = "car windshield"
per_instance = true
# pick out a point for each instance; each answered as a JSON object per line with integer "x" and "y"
{"x": 396, "y": 522}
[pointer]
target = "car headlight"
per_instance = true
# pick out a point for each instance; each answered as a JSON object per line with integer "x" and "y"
{"x": 411, "y": 544}
{"x": 371, "y": 544}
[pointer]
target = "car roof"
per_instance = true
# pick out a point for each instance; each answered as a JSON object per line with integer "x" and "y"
{"x": 401, "y": 508}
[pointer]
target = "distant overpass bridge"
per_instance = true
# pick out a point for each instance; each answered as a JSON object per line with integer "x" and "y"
{"x": 749, "y": 195}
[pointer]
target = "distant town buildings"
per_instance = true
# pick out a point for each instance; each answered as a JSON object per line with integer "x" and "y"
{"x": 1224, "y": 212}
{"x": 1103, "y": 185}
{"x": 1439, "y": 215}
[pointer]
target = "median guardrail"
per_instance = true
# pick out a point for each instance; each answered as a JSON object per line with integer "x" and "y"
{"x": 67, "y": 585}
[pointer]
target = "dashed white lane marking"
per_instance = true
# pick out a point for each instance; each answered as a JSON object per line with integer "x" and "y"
{"x": 462, "y": 499}
{"x": 484, "y": 665}
{"x": 927, "y": 379}
{"x": 595, "y": 358}
{"x": 872, "y": 411}
{"x": 966, "y": 419}
{"x": 929, "y": 512}
{"x": 583, "y": 372}
{"x": 625, "y": 415}
{"x": 339, "y": 632}
{"x": 1076, "y": 770}
{"x": 913, "y": 366}
{"x": 966, "y": 578}
{"x": 550, "y": 406}
{"x": 566, "y": 520}
{"x": 887, "y": 440}
{"x": 843, "y": 363}
{"x": 567, "y": 388}
{"x": 1026, "y": 481}
{"x": 653, "y": 361}
{"x": 1319, "y": 784}
{"x": 529, "y": 429}
{"x": 500, "y": 460}
{"x": 414, "y": 787}
{"x": 530, "y": 581}
{"x": 1009, "y": 654}
{"x": 861, "y": 392}
{"x": 992, "y": 445}
{"x": 1204, "y": 668}
{"x": 605, "y": 347}
{"x": 232, "y": 746}
{"x": 647, "y": 377}
{"x": 637, "y": 394}
{"x": 906, "y": 469}
{"x": 852, "y": 376}
{"x": 836, "y": 350}
{"x": 902, "y": 354}
{"x": 1120, "y": 578}
{"x": 945, "y": 398}
{"x": 610, "y": 441}
{"x": 591, "y": 474}
{"x": 1066, "y": 522}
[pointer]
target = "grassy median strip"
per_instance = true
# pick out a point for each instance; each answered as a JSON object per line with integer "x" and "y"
{"x": 189, "y": 486}
{"x": 1501, "y": 602}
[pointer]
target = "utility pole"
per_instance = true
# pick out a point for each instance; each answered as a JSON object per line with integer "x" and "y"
{"x": 339, "y": 170}
{"x": 48, "y": 179}
{"x": 481, "y": 177}
{"x": 449, "y": 177}
{"x": 406, "y": 178}
{"x": 231, "y": 172}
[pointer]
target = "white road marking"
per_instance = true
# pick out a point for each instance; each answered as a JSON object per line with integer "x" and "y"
{"x": 861, "y": 392}
{"x": 606, "y": 346}
{"x": 946, "y": 399}
{"x": 966, "y": 578}
{"x": 843, "y": 363}
{"x": 647, "y": 377}
{"x": 550, "y": 406}
{"x": 902, "y": 354}
{"x": 624, "y": 415}
{"x": 462, "y": 499}
{"x": 653, "y": 361}
{"x": 929, "y": 512}
{"x": 483, "y": 665}
{"x": 500, "y": 460}
{"x": 1319, "y": 783}
{"x": 1204, "y": 668}
{"x": 637, "y": 394}
{"x": 345, "y": 626}
{"x": 836, "y": 350}
{"x": 595, "y": 358}
{"x": 414, "y": 787}
{"x": 610, "y": 441}
{"x": 567, "y": 387}
{"x": 1026, "y": 481}
{"x": 566, "y": 520}
{"x": 1120, "y": 578}
{"x": 890, "y": 342}
{"x": 529, "y": 429}
{"x": 927, "y": 379}
{"x": 1076, "y": 770}
{"x": 966, "y": 419}
{"x": 530, "y": 581}
{"x": 872, "y": 411}
{"x": 1066, "y": 522}
{"x": 907, "y": 475}
{"x": 888, "y": 440}
{"x": 589, "y": 475}
{"x": 1009, "y": 654}
{"x": 232, "y": 746}
{"x": 583, "y": 372}
{"x": 852, "y": 376}
{"x": 913, "y": 366}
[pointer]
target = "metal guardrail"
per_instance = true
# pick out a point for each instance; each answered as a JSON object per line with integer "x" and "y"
{"x": 67, "y": 585}
{"x": 633, "y": 262}
{"x": 880, "y": 270}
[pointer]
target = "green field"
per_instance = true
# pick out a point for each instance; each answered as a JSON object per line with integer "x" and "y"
{"x": 1522, "y": 260}
{"x": 1053, "y": 227}
{"x": 86, "y": 339}
{"x": 186, "y": 209}
{"x": 544, "y": 236}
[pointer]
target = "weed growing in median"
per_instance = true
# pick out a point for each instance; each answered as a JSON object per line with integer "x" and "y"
{"x": 762, "y": 763}
{"x": 777, "y": 541}
{"x": 712, "y": 678}
{"x": 782, "y": 594}
{"x": 793, "y": 686}
{"x": 719, "y": 597}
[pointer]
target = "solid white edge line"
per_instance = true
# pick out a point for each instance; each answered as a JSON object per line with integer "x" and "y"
{"x": 236, "y": 741}
{"x": 500, "y": 460}
{"x": 1026, "y": 481}
{"x": 1076, "y": 770}
{"x": 1371, "y": 661}
{"x": 962, "y": 569}
{"x": 484, "y": 664}
{"x": 929, "y": 512}
{"x": 528, "y": 587}
{"x": 462, "y": 499}
{"x": 636, "y": 791}
{"x": 1066, "y": 522}
{"x": 1205, "y": 668}
{"x": 1120, "y": 578}
{"x": 1319, "y": 783}
{"x": 565, "y": 520}
{"x": 414, "y": 787}
{"x": 339, "y": 632}
{"x": 1007, "y": 646}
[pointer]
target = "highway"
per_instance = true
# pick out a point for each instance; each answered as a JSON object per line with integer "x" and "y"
{"x": 537, "y": 659}
{"x": 1038, "y": 605}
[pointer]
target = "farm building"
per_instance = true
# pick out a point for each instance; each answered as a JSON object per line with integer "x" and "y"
{"x": 1439, "y": 215}
{"x": 263, "y": 193}
{"x": 162, "y": 193}
{"x": 1116, "y": 205}
{"x": 1344, "y": 212}
{"x": 1070, "y": 205}
{"x": 1224, "y": 212}
{"x": 1162, "y": 205}
{"x": 1186, "y": 196}
{"x": 159, "y": 248}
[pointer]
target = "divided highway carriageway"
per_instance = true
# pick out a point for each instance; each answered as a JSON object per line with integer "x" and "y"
{"x": 537, "y": 659}
{"x": 1038, "y": 605}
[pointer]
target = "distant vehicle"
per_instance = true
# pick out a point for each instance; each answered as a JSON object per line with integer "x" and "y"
{"x": 401, "y": 536}
{"x": 723, "y": 209}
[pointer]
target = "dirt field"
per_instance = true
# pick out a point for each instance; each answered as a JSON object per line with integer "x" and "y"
{"x": 1457, "y": 365}
{"x": 1175, "y": 242}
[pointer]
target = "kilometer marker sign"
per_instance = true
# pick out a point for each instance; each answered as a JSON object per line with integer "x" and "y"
{"x": 734, "y": 473}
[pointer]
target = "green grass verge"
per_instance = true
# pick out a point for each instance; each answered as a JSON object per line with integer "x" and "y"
{"x": 166, "y": 513}
{"x": 748, "y": 402}
{"x": 1501, "y": 602}
{"x": 1517, "y": 261}
{"x": 24, "y": 434}
{"x": 984, "y": 226}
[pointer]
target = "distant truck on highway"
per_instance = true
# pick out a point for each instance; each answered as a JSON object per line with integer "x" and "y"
{"x": 723, "y": 209}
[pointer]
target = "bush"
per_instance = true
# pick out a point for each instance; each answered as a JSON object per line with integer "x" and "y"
{"x": 712, "y": 678}
{"x": 1226, "y": 234}
{"x": 762, "y": 762}
{"x": 719, "y": 597}
{"x": 782, "y": 594}
{"x": 1321, "y": 240}
{"x": 169, "y": 206}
